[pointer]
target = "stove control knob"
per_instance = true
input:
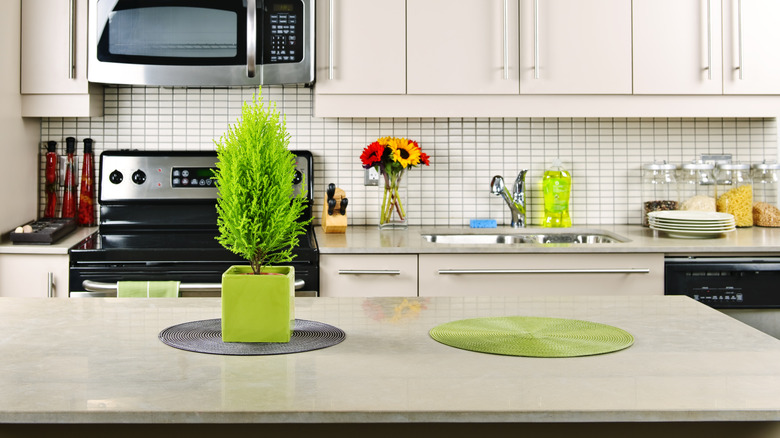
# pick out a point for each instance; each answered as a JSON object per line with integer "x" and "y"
{"x": 139, "y": 177}
{"x": 115, "y": 177}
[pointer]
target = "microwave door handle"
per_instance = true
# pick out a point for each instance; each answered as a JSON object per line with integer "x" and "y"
{"x": 251, "y": 37}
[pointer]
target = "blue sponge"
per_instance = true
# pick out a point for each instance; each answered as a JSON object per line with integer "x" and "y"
{"x": 483, "y": 223}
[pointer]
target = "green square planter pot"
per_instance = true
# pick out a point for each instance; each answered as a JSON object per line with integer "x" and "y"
{"x": 258, "y": 308}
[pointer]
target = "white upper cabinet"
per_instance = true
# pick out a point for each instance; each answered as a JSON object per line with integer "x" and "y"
{"x": 462, "y": 47}
{"x": 361, "y": 47}
{"x": 575, "y": 47}
{"x": 54, "y": 60}
{"x": 751, "y": 37}
{"x": 677, "y": 47}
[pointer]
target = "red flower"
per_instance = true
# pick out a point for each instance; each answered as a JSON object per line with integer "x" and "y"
{"x": 372, "y": 155}
{"x": 425, "y": 159}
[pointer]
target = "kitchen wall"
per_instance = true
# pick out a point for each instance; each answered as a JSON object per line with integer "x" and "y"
{"x": 603, "y": 154}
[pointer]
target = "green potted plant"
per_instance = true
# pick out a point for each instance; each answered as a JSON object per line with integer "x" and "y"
{"x": 258, "y": 216}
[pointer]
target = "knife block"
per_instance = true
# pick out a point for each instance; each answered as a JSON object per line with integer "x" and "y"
{"x": 337, "y": 222}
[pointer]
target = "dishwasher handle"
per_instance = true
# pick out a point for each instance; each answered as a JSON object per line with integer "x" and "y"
{"x": 99, "y": 289}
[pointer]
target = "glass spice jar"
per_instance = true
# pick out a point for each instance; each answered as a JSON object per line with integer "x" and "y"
{"x": 734, "y": 192}
{"x": 697, "y": 186}
{"x": 766, "y": 188}
{"x": 659, "y": 188}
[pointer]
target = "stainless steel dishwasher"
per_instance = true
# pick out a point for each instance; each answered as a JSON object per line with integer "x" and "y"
{"x": 745, "y": 287}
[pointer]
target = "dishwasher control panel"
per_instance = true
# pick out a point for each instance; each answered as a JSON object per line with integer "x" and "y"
{"x": 725, "y": 282}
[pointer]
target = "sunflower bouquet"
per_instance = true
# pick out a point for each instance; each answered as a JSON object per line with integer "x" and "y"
{"x": 391, "y": 156}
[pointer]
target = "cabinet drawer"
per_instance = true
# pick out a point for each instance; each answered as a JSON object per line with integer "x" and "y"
{"x": 361, "y": 275}
{"x": 541, "y": 274}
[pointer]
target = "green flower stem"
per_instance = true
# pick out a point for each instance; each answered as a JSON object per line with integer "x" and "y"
{"x": 391, "y": 199}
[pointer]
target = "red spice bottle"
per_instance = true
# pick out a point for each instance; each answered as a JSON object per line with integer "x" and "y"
{"x": 87, "y": 194}
{"x": 69, "y": 195}
{"x": 50, "y": 210}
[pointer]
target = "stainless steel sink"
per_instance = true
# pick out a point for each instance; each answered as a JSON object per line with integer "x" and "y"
{"x": 529, "y": 237}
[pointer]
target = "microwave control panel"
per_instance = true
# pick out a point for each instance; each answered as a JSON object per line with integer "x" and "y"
{"x": 284, "y": 34}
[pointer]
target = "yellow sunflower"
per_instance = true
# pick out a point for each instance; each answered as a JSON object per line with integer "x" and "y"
{"x": 405, "y": 152}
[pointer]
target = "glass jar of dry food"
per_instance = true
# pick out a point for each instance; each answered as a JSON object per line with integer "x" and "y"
{"x": 697, "y": 186}
{"x": 734, "y": 192}
{"x": 659, "y": 188}
{"x": 766, "y": 189}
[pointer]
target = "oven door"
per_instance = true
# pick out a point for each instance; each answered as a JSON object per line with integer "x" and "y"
{"x": 200, "y": 42}
{"x": 198, "y": 279}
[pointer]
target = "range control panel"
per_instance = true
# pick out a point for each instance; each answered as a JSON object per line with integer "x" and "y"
{"x": 174, "y": 175}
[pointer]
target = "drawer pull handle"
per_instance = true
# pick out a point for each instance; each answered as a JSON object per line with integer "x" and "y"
{"x": 545, "y": 271}
{"x": 369, "y": 272}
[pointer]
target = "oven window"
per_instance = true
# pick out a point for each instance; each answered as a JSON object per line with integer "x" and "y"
{"x": 173, "y": 32}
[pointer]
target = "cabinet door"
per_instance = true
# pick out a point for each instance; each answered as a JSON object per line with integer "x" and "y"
{"x": 462, "y": 47}
{"x": 33, "y": 275}
{"x": 677, "y": 47}
{"x": 54, "y": 60}
{"x": 541, "y": 274}
{"x": 364, "y": 51}
{"x": 361, "y": 275}
{"x": 575, "y": 47}
{"x": 751, "y": 39}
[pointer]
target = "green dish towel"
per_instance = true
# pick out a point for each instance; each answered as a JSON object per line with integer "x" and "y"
{"x": 147, "y": 289}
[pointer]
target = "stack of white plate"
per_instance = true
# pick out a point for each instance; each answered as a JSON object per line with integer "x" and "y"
{"x": 692, "y": 224}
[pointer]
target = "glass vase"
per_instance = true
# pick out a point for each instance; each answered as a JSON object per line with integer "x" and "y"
{"x": 392, "y": 210}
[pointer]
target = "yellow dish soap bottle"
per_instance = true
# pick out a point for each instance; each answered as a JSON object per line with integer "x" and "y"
{"x": 556, "y": 187}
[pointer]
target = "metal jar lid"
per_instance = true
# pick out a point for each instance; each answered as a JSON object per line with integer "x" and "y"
{"x": 734, "y": 166}
{"x": 766, "y": 166}
{"x": 659, "y": 166}
{"x": 698, "y": 165}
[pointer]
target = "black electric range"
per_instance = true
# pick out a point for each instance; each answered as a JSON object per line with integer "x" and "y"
{"x": 158, "y": 222}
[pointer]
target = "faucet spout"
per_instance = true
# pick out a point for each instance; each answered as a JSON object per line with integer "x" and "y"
{"x": 516, "y": 200}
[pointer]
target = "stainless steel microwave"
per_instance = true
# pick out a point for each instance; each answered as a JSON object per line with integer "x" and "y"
{"x": 201, "y": 42}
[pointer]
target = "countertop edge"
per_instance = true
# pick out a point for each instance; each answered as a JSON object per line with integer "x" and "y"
{"x": 60, "y": 247}
{"x": 369, "y": 417}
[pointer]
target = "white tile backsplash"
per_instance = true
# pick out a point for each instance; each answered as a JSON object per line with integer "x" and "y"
{"x": 603, "y": 154}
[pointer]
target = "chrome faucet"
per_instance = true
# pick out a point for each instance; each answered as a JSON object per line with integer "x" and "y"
{"x": 515, "y": 200}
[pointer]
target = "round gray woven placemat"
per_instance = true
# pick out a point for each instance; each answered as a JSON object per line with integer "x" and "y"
{"x": 205, "y": 336}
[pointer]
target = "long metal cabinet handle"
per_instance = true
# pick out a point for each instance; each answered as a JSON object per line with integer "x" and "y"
{"x": 506, "y": 39}
{"x": 251, "y": 38}
{"x": 50, "y": 286}
{"x": 741, "y": 67}
{"x": 545, "y": 271}
{"x": 709, "y": 39}
{"x": 536, "y": 39}
{"x": 96, "y": 286}
{"x": 72, "y": 40}
{"x": 369, "y": 272}
{"x": 330, "y": 38}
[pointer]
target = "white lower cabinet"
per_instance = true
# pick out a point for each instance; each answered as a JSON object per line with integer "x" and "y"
{"x": 368, "y": 275}
{"x": 34, "y": 275}
{"x": 541, "y": 274}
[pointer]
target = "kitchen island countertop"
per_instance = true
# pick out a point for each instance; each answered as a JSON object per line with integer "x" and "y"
{"x": 369, "y": 239}
{"x": 99, "y": 361}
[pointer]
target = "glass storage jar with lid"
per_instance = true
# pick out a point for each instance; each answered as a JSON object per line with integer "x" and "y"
{"x": 766, "y": 189}
{"x": 697, "y": 186}
{"x": 734, "y": 192}
{"x": 659, "y": 188}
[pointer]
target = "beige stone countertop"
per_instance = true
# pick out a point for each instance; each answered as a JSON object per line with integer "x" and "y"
{"x": 99, "y": 360}
{"x": 369, "y": 239}
{"x": 60, "y": 247}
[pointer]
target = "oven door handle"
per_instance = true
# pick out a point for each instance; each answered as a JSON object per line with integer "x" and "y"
{"x": 99, "y": 289}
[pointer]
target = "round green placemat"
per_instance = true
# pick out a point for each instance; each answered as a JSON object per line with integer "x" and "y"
{"x": 532, "y": 336}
